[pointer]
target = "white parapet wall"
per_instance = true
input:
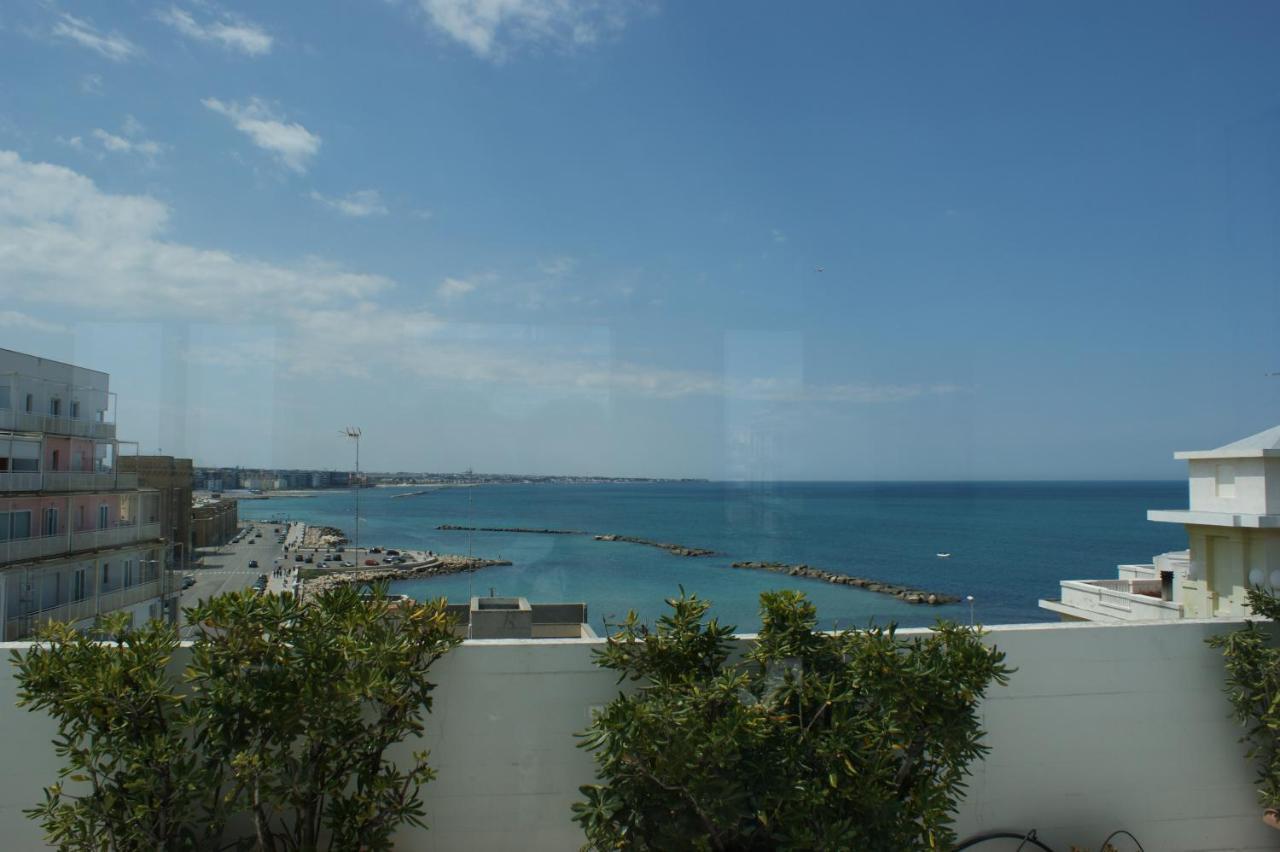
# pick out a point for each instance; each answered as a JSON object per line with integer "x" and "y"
{"x": 1102, "y": 727}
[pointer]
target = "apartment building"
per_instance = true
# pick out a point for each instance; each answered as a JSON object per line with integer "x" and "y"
{"x": 78, "y": 537}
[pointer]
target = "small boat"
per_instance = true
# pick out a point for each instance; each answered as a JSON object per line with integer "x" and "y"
{"x": 943, "y": 555}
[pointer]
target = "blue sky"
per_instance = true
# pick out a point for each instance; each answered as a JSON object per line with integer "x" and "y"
{"x": 748, "y": 240}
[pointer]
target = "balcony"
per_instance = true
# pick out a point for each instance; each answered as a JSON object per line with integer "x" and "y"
{"x": 19, "y": 421}
{"x": 53, "y": 545}
{"x": 1114, "y": 600}
{"x": 21, "y": 480}
{"x": 88, "y": 607}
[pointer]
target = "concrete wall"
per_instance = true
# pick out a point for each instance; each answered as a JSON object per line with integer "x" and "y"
{"x": 1102, "y": 727}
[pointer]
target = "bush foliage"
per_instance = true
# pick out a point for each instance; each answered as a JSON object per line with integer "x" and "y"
{"x": 812, "y": 740}
{"x": 1253, "y": 688}
{"x": 275, "y": 737}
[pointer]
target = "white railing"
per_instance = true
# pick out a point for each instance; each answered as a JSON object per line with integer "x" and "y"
{"x": 23, "y": 480}
{"x": 14, "y": 550}
{"x": 84, "y": 481}
{"x": 21, "y": 421}
{"x": 1112, "y": 598}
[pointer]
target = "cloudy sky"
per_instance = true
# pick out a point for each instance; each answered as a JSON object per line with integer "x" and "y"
{"x": 749, "y": 240}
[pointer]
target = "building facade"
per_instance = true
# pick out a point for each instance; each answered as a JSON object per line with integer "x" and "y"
{"x": 78, "y": 536}
{"x": 214, "y": 522}
{"x": 1233, "y": 533}
{"x": 172, "y": 478}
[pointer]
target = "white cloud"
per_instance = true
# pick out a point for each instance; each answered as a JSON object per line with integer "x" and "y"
{"x": 359, "y": 204}
{"x": 489, "y": 28}
{"x": 778, "y": 236}
{"x": 291, "y": 143}
{"x": 73, "y": 252}
{"x": 558, "y": 266}
{"x": 229, "y": 32}
{"x": 111, "y": 45}
{"x": 91, "y": 84}
{"x": 17, "y": 319}
{"x": 454, "y": 288}
{"x": 132, "y": 142}
{"x": 64, "y": 243}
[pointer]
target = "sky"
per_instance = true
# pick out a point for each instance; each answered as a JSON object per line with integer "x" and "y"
{"x": 757, "y": 240}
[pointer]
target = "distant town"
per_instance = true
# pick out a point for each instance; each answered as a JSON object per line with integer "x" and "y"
{"x": 218, "y": 479}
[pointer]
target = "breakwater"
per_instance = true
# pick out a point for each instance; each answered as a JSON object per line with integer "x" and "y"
{"x": 677, "y": 549}
{"x": 438, "y": 566}
{"x": 457, "y": 528}
{"x": 903, "y": 593}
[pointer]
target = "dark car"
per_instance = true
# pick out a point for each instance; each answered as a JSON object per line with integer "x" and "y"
{"x": 297, "y": 557}
{"x": 253, "y": 563}
{"x": 309, "y": 560}
{"x": 393, "y": 552}
{"x": 375, "y": 550}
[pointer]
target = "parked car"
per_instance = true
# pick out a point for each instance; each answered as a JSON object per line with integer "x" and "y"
{"x": 309, "y": 560}
{"x": 371, "y": 562}
{"x": 393, "y": 552}
{"x": 375, "y": 550}
{"x": 253, "y": 563}
{"x": 297, "y": 557}
{"x": 346, "y": 564}
{"x": 188, "y": 581}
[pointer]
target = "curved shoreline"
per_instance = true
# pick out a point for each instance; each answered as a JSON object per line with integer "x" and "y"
{"x": 907, "y": 594}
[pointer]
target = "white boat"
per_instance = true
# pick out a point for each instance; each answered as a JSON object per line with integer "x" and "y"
{"x": 943, "y": 555}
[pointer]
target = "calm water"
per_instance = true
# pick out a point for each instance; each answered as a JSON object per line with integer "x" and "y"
{"x": 1011, "y": 542}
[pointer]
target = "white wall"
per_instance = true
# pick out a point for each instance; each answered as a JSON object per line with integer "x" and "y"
{"x": 1250, "y": 494}
{"x": 1102, "y": 727}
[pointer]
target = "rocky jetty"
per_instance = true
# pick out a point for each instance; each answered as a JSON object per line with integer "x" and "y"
{"x": 902, "y": 593}
{"x": 677, "y": 549}
{"x": 457, "y": 528}
{"x": 438, "y": 566}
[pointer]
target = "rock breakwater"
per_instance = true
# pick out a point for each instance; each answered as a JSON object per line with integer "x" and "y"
{"x": 458, "y": 528}
{"x": 439, "y": 566}
{"x": 677, "y": 549}
{"x": 906, "y": 594}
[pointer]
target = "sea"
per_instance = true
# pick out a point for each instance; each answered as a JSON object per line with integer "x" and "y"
{"x": 1010, "y": 542}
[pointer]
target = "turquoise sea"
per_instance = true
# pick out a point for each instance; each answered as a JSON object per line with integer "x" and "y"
{"x": 1011, "y": 542}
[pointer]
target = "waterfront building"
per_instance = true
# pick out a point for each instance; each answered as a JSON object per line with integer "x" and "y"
{"x": 172, "y": 479}
{"x": 1233, "y": 531}
{"x": 78, "y": 536}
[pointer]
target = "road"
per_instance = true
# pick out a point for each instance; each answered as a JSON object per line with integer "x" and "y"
{"x": 227, "y": 569}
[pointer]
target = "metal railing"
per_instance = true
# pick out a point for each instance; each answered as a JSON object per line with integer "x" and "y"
{"x": 22, "y": 421}
{"x": 21, "y": 480}
{"x": 83, "y": 609}
{"x": 58, "y": 480}
{"x": 52, "y": 545}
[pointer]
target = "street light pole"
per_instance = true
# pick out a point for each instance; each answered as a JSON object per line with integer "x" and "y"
{"x": 353, "y": 432}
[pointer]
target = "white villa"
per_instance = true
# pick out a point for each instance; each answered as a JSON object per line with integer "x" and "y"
{"x": 1233, "y": 528}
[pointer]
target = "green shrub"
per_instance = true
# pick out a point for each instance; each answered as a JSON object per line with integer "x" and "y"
{"x": 848, "y": 740}
{"x": 282, "y": 722}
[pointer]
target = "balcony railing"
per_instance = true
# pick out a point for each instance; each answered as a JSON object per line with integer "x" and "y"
{"x": 18, "y": 549}
{"x": 88, "y": 607}
{"x": 1120, "y": 599}
{"x": 21, "y": 480}
{"x": 21, "y": 421}
{"x": 83, "y": 481}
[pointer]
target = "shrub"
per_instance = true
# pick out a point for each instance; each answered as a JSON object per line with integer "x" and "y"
{"x": 282, "y": 722}
{"x": 1253, "y": 684}
{"x": 848, "y": 740}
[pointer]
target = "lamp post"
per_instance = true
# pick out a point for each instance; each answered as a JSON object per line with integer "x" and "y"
{"x": 353, "y": 432}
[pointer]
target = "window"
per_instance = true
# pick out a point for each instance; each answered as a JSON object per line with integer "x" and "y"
{"x": 53, "y": 462}
{"x": 4, "y": 397}
{"x": 31, "y": 403}
{"x": 104, "y": 515}
{"x": 106, "y": 573}
{"x": 75, "y": 409}
{"x": 55, "y": 407}
{"x": 80, "y": 517}
{"x": 16, "y": 525}
{"x": 1224, "y": 481}
{"x": 50, "y": 521}
{"x": 128, "y": 573}
{"x": 78, "y": 585}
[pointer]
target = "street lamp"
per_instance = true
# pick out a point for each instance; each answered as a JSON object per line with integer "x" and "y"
{"x": 353, "y": 432}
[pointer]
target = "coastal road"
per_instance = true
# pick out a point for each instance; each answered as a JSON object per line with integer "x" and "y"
{"x": 227, "y": 569}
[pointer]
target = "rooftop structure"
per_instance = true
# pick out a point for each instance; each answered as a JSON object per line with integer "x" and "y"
{"x": 1233, "y": 529}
